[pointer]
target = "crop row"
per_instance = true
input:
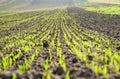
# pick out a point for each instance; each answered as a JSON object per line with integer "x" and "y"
{"x": 47, "y": 41}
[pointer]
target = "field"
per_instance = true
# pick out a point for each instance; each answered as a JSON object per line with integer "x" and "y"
{"x": 111, "y": 9}
{"x": 66, "y": 43}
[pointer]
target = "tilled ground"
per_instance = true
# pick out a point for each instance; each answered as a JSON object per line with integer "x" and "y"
{"x": 108, "y": 24}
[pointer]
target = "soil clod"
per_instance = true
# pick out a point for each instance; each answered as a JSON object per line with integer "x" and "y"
{"x": 58, "y": 71}
{"x": 74, "y": 60}
{"x": 6, "y": 75}
{"x": 90, "y": 57}
{"x": 118, "y": 48}
{"x": 45, "y": 44}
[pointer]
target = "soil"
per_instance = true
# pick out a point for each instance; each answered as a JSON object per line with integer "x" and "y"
{"x": 109, "y": 24}
{"x": 106, "y": 23}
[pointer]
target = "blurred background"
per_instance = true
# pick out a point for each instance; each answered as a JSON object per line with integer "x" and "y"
{"x": 37, "y": 4}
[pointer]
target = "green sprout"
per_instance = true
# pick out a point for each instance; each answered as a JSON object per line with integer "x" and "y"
{"x": 23, "y": 67}
{"x": 14, "y": 76}
{"x": 46, "y": 75}
{"x": 67, "y": 76}
{"x": 46, "y": 64}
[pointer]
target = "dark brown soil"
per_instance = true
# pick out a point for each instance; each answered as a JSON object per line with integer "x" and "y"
{"x": 107, "y": 23}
